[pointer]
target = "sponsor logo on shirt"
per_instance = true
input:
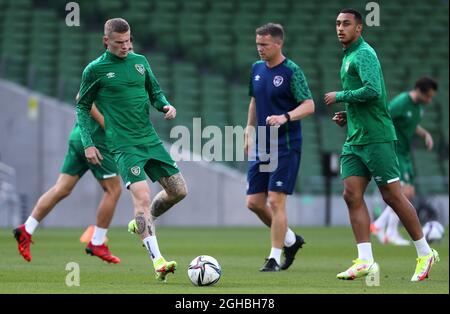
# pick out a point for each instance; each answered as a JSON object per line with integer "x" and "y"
{"x": 110, "y": 75}
{"x": 257, "y": 77}
{"x": 277, "y": 80}
{"x": 136, "y": 170}
{"x": 140, "y": 68}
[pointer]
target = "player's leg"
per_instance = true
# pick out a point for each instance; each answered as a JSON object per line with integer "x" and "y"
{"x": 174, "y": 190}
{"x": 393, "y": 236}
{"x": 356, "y": 177}
{"x": 162, "y": 168}
{"x": 407, "y": 183}
{"x": 278, "y": 228}
{"x": 145, "y": 228}
{"x": 131, "y": 165}
{"x": 105, "y": 212}
{"x": 384, "y": 165}
{"x": 282, "y": 183}
{"x": 257, "y": 203}
{"x": 427, "y": 256}
{"x": 62, "y": 188}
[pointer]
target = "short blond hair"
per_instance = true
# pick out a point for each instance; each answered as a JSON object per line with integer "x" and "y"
{"x": 116, "y": 25}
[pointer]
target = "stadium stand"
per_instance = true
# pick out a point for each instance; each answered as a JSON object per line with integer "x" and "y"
{"x": 201, "y": 51}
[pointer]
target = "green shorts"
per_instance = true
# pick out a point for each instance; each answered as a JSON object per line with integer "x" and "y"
{"x": 406, "y": 169}
{"x": 378, "y": 160}
{"x": 136, "y": 161}
{"x": 75, "y": 163}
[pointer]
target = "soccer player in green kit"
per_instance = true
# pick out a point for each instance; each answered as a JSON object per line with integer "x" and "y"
{"x": 407, "y": 110}
{"x": 74, "y": 167}
{"x": 369, "y": 149}
{"x": 123, "y": 86}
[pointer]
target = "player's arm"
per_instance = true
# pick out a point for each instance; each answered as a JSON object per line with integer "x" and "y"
{"x": 88, "y": 91}
{"x": 426, "y": 136}
{"x": 95, "y": 113}
{"x": 303, "y": 96}
{"x": 367, "y": 66}
{"x": 157, "y": 98}
{"x": 250, "y": 129}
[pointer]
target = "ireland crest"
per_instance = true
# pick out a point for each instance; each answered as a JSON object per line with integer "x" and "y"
{"x": 136, "y": 170}
{"x": 277, "y": 81}
{"x": 140, "y": 68}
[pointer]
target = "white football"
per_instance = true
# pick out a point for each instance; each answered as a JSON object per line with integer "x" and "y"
{"x": 204, "y": 270}
{"x": 433, "y": 231}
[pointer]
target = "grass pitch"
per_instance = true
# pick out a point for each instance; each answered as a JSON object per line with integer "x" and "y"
{"x": 240, "y": 251}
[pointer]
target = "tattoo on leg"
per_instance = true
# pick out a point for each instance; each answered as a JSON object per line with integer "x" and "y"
{"x": 175, "y": 190}
{"x": 140, "y": 223}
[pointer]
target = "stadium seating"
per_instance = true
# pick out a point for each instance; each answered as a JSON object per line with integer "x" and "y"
{"x": 201, "y": 52}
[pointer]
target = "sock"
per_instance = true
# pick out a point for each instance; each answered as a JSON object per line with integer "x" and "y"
{"x": 31, "y": 225}
{"x": 151, "y": 243}
{"x": 422, "y": 247}
{"x": 392, "y": 227}
{"x": 276, "y": 254}
{"x": 382, "y": 221}
{"x": 289, "y": 238}
{"x": 98, "y": 238}
{"x": 365, "y": 251}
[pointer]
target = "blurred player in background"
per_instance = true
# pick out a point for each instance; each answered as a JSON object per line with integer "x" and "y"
{"x": 280, "y": 97}
{"x": 406, "y": 110}
{"x": 74, "y": 166}
{"x": 370, "y": 149}
{"x": 123, "y": 86}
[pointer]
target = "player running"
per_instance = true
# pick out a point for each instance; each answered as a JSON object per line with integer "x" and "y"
{"x": 369, "y": 149}
{"x": 74, "y": 167}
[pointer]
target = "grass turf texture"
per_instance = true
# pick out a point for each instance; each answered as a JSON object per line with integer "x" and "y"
{"x": 240, "y": 251}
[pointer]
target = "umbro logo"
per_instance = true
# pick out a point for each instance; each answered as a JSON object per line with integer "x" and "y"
{"x": 279, "y": 183}
{"x": 257, "y": 77}
{"x": 110, "y": 75}
{"x": 378, "y": 178}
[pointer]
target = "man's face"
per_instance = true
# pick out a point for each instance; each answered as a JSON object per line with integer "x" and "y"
{"x": 268, "y": 47}
{"x": 118, "y": 43}
{"x": 425, "y": 97}
{"x": 347, "y": 29}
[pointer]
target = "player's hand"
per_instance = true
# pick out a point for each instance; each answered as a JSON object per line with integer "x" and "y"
{"x": 170, "y": 111}
{"x": 429, "y": 141}
{"x": 330, "y": 98}
{"x": 276, "y": 121}
{"x": 340, "y": 118}
{"x": 93, "y": 155}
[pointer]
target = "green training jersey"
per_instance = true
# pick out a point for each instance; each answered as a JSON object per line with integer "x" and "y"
{"x": 122, "y": 89}
{"x": 364, "y": 95}
{"x": 97, "y": 134}
{"x": 406, "y": 116}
